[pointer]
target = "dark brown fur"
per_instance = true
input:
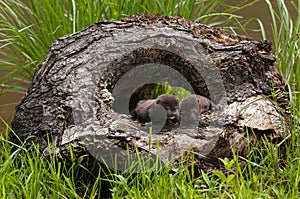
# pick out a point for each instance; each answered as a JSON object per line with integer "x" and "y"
{"x": 192, "y": 106}
{"x": 145, "y": 108}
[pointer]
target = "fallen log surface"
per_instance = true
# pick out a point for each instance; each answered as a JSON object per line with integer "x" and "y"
{"x": 82, "y": 93}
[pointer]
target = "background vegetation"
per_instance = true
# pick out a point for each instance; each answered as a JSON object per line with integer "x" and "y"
{"x": 27, "y": 28}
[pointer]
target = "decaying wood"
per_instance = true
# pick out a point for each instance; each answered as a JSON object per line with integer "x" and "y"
{"x": 71, "y": 99}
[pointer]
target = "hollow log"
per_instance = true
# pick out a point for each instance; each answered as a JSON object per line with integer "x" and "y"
{"x": 83, "y": 92}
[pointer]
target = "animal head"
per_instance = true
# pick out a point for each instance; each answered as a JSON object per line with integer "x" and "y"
{"x": 171, "y": 104}
{"x": 190, "y": 109}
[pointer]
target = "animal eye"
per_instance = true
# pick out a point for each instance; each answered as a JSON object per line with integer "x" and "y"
{"x": 167, "y": 108}
{"x": 194, "y": 111}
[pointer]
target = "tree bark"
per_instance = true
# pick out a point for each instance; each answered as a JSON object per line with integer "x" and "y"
{"x": 83, "y": 91}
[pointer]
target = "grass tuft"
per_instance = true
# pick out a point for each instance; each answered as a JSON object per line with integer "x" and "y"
{"x": 286, "y": 39}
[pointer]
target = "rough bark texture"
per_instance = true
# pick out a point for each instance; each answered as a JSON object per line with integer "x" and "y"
{"x": 74, "y": 96}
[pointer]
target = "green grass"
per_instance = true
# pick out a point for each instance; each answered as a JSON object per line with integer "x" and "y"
{"x": 26, "y": 32}
{"x": 286, "y": 39}
{"x": 165, "y": 87}
{"x": 26, "y": 174}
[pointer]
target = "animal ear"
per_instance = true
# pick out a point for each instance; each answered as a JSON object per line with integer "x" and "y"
{"x": 158, "y": 101}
